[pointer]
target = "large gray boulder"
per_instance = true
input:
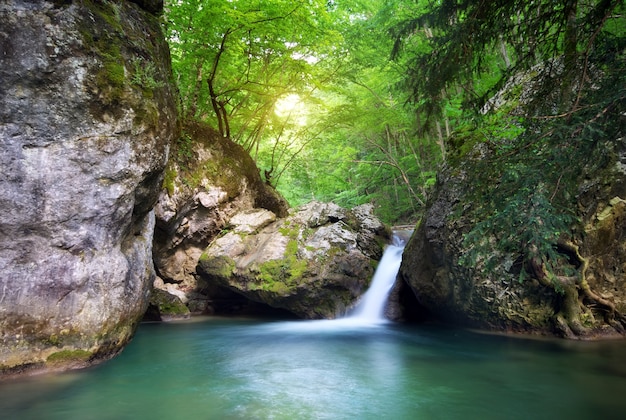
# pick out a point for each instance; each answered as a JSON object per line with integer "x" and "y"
{"x": 87, "y": 112}
{"x": 314, "y": 263}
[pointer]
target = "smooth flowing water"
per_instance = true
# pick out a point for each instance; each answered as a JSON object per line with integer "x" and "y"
{"x": 251, "y": 369}
{"x": 372, "y": 304}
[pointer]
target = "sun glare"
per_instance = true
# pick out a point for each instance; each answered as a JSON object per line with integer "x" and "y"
{"x": 291, "y": 106}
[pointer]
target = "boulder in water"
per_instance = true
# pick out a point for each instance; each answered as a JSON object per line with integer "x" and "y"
{"x": 314, "y": 263}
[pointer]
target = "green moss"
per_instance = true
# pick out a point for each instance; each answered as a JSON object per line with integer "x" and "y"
{"x": 220, "y": 266}
{"x": 110, "y": 81}
{"x": 271, "y": 271}
{"x": 292, "y": 247}
{"x": 291, "y": 232}
{"x": 334, "y": 250}
{"x": 169, "y": 181}
{"x": 167, "y": 305}
{"x": 278, "y": 288}
{"x": 102, "y": 34}
{"x": 107, "y": 11}
{"x": 279, "y": 275}
{"x": 173, "y": 308}
{"x": 226, "y": 167}
{"x": 68, "y": 356}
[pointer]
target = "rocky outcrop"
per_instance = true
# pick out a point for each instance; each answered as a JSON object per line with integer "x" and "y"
{"x": 208, "y": 180}
{"x": 496, "y": 299}
{"x": 87, "y": 112}
{"x": 314, "y": 263}
{"x": 525, "y": 230}
{"x": 166, "y": 305}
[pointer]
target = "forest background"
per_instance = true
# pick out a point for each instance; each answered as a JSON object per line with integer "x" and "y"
{"x": 357, "y": 101}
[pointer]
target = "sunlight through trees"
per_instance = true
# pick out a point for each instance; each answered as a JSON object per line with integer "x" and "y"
{"x": 355, "y": 101}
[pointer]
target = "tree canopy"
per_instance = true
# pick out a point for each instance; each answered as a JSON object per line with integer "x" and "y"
{"x": 356, "y": 101}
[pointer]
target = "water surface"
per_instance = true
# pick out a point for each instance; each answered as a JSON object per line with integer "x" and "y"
{"x": 216, "y": 368}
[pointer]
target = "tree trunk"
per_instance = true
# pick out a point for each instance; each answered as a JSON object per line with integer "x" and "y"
{"x": 193, "y": 107}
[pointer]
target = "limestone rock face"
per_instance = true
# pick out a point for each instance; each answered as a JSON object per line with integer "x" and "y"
{"x": 87, "y": 112}
{"x": 209, "y": 181}
{"x": 451, "y": 291}
{"x": 314, "y": 263}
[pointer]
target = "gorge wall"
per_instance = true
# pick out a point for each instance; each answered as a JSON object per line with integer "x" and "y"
{"x": 500, "y": 290}
{"x": 87, "y": 112}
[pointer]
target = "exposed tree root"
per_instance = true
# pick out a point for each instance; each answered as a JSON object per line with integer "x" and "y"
{"x": 575, "y": 291}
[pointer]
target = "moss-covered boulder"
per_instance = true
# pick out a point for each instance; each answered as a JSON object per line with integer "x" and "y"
{"x": 165, "y": 306}
{"x": 314, "y": 263}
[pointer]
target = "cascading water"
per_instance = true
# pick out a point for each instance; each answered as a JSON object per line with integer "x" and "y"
{"x": 369, "y": 312}
{"x": 371, "y": 307}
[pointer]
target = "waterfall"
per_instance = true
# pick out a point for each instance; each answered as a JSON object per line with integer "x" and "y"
{"x": 369, "y": 312}
{"x": 371, "y": 307}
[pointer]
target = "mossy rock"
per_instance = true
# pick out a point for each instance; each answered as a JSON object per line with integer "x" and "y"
{"x": 69, "y": 357}
{"x": 220, "y": 266}
{"x": 166, "y": 306}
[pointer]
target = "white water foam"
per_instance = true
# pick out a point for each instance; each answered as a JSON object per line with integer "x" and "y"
{"x": 369, "y": 312}
{"x": 371, "y": 307}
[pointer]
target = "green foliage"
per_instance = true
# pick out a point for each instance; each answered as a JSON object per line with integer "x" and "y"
{"x": 145, "y": 75}
{"x": 522, "y": 33}
{"x": 291, "y": 232}
{"x": 184, "y": 148}
{"x": 526, "y": 152}
{"x": 253, "y": 54}
{"x": 348, "y": 138}
{"x": 525, "y": 188}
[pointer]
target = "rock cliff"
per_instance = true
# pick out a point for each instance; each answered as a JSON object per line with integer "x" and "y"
{"x": 87, "y": 112}
{"x": 208, "y": 180}
{"x": 586, "y": 298}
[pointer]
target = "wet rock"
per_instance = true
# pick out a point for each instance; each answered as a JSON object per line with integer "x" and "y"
{"x": 166, "y": 306}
